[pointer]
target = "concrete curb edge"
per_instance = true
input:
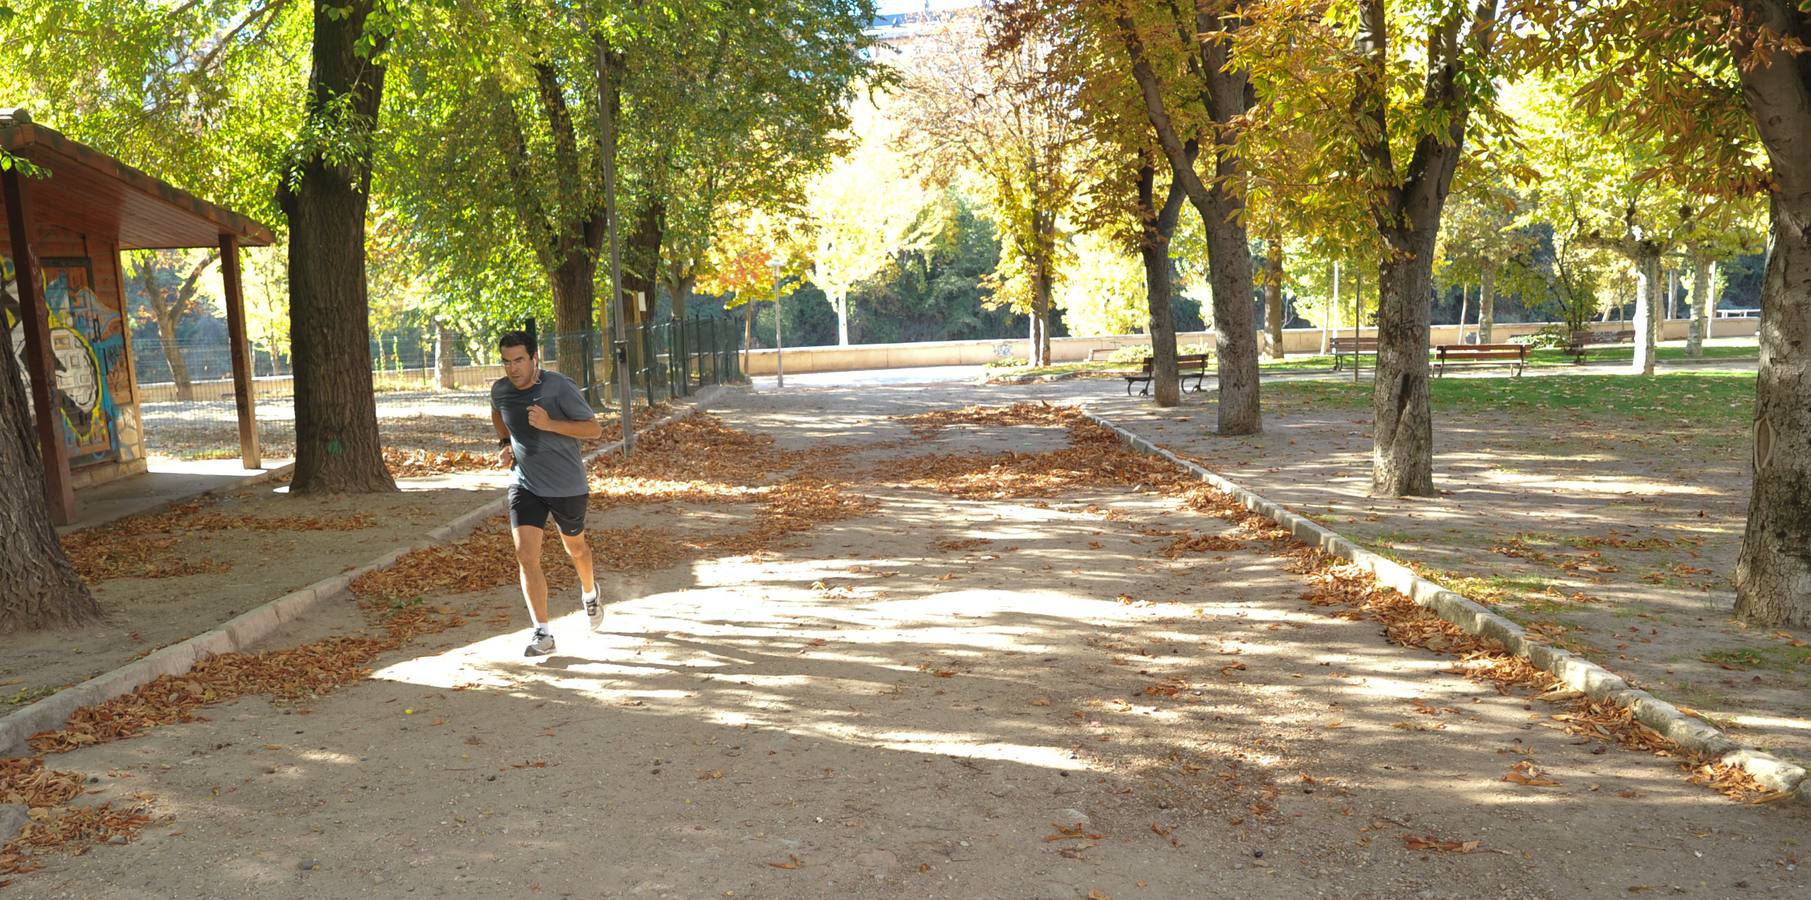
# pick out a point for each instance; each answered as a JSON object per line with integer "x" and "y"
{"x": 257, "y": 623}
{"x": 1579, "y": 674}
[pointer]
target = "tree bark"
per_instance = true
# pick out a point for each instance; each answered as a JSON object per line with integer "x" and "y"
{"x": 1701, "y": 280}
{"x": 1464, "y": 301}
{"x": 1225, "y": 93}
{"x": 1157, "y": 226}
{"x": 38, "y": 587}
{"x": 1773, "y": 574}
{"x": 1273, "y": 298}
{"x": 1487, "y": 307}
{"x": 443, "y": 357}
{"x": 338, "y": 448}
{"x": 840, "y": 302}
{"x": 1647, "y": 310}
{"x": 1406, "y": 210}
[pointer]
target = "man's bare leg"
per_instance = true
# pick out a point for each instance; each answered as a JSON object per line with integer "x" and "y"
{"x": 579, "y": 550}
{"x": 534, "y": 581}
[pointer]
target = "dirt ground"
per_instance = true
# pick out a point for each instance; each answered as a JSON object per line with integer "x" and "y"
{"x": 1599, "y": 534}
{"x": 160, "y": 579}
{"x": 930, "y": 696}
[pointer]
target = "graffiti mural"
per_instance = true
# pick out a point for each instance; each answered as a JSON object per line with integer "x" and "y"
{"x": 88, "y": 341}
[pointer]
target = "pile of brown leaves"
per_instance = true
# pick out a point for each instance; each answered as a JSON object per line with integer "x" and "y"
{"x": 145, "y": 546}
{"x": 927, "y": 425}
{"x": 69, "y": 830}
{"x": 25, "y": 781}
{"x": 419, "y": 463}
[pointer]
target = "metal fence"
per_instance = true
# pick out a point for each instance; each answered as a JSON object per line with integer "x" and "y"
{"x": 423, "y": 401}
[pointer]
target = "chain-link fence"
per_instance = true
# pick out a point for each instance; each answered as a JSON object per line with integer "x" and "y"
{"x": 431, "y": 395}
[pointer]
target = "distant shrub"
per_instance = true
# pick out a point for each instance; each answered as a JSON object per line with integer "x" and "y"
{"x": 1133, "y": 354}
{"x": 1551, "y": 337}
{"x": 1007, "y": 362}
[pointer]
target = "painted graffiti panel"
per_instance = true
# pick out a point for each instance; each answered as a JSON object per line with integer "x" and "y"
{"x": 88, "y": 342}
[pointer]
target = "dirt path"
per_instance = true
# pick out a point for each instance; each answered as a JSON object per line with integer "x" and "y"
{"x": 943, "y": 696}
{"x": 1613, "y": 536}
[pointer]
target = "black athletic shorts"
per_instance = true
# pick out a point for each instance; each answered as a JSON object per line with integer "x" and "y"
{"x": 532, "y": 510}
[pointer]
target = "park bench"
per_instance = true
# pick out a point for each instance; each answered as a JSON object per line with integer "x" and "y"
{"x": 1579, "y": 340}
{"x": 1351, "y": 345}
{"x": 1188, "y": 365}
{"x": 1513, "y": 355}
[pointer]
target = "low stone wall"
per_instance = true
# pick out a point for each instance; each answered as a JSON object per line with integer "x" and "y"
{"x": 802, "y": 360}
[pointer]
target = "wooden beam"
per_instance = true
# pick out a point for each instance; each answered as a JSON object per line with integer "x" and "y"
{"x": 40, "y": 362}
{"x": 245, "y": 395}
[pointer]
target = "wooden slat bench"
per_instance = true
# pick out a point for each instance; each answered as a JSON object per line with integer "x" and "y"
{"x": 1579, "y": 340}
{"x": 1343, "y": 346}
{"x": 1515, "y": 356}
{"x": 1188, "y": 365}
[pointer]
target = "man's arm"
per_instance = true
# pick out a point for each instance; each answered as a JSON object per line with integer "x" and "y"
{"x": 506, "y": 457}
{"x": 496, "y": 421}
{"x": 580, "y": 423}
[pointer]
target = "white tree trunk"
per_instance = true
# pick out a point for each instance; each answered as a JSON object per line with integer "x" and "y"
{"x": 1647, "y": 314}
{"x": 1487, "y": 309}
{"x": 842, "y": 318}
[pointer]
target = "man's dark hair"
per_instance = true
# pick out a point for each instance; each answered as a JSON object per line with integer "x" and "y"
{"x": 517, "y": 339}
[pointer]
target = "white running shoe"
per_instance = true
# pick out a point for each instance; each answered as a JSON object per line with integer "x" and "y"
{"x": 540, "y": 645}
{"x": 594, "y": 608}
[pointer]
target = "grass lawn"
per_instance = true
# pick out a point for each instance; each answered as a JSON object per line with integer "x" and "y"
{"x": 1713, "y": 401}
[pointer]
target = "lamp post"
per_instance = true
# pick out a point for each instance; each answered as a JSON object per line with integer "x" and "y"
{"x": 779, "y": 342}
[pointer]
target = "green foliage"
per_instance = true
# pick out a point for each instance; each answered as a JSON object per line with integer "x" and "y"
{"x": 1549, "y": 338}
{"x": 1134, "y": 355}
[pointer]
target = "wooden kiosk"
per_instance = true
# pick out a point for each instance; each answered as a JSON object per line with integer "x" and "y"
{"x": 63, "y": 304}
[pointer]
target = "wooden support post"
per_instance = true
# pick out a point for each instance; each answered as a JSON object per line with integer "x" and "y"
{"x": 245, "y": 394}
{"x": 40, "y": 361}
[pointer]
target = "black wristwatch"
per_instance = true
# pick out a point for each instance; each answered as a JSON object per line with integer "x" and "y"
{"x": 502, "y": 442}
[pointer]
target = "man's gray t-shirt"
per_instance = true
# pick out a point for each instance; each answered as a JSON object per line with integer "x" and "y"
{"x": 547, "y": 464}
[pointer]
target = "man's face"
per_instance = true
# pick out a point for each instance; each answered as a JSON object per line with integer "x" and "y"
{"x": 519, "y": 365}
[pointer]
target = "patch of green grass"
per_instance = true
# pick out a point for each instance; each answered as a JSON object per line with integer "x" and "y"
{"x": 1499, "y": 588}
{"x": 1710, "y": 402}
{"x": 26, "y": 696}
{"x": 1627, "y": 354}
{"x": 1789, "y": 660}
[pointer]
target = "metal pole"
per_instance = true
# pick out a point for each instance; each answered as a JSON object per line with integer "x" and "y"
{"x": 607, "y": 113}
{"x": 1358, "y": 305}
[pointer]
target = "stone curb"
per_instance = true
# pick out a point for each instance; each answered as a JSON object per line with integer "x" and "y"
{"x": 253, "y": 625}
{"x": 1576, "y": 672}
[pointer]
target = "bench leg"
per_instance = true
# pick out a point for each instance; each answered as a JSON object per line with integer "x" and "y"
{"x": 1439, "y": 369}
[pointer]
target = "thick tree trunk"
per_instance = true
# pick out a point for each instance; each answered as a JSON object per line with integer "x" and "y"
{"x": 1773, "y": 574}
{"x": 1487, "y": 307}
{"x": 337, "y": 443}
{"x": 574, "y": 291}
{"x": 1701, "y": 279}
{"x": 1647, "y": 311}
{"x": 1402, "y": 462}
{"x": 443, "y": 357}
{"x": 1331, "y": 320}
{"x": 172, "y": 352}
{"x": 38, "y": 588}
{"x": 1156, "y": 228}
{"x": 1226, "y": 93}
{"x": 1273, "y": 298}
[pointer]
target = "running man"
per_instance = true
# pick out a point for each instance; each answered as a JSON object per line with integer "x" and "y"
{"x": 540, "y": 419}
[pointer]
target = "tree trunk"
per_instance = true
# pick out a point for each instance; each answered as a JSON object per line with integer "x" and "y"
{"x": 1156, "y": 228}
{"x": 1487, "y": 308}
{"x": 1039, "y": 352}
{"x": 1647, "y": 311}
{"x": 38, "y": 587}
{"x": 1235, "y": 340}
{"x": 1464, "y": 301}
{"x": 443, "y": 357}
{"x": 574, "y": 283}
{"x": 841, "y": 303}
{"x": 1273, "y": 298}
{"x": 1226, "y": 94}
{"x": 1701, "y": 278}
{"x": 1402, "y": 462}
{"x": 172, "y": 352}
{"x": 1773, "y": 574}
{"x": 1332, "y": 314}
{"x": 337, "y": 443}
